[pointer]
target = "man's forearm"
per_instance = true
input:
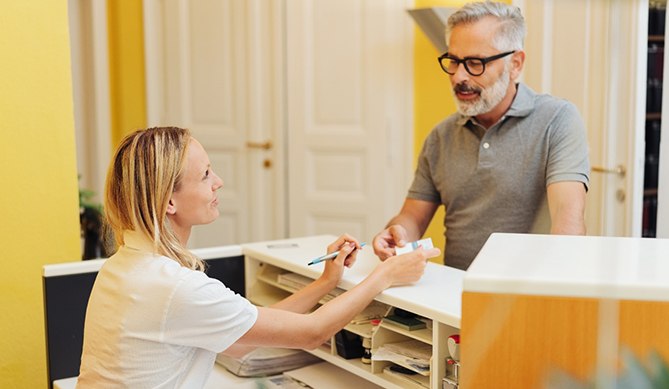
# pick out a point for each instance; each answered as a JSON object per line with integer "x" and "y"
{"x": 568, "y": 223}
{"x": 566, "y": 202}
{"x": 414, "y": 231}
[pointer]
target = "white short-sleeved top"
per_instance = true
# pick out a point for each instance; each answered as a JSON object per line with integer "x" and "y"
{"x": 151, "y": 323}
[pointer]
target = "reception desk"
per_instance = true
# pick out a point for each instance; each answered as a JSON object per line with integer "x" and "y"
{"x": 531, "y": 307}
{"x": 536, "y": 308}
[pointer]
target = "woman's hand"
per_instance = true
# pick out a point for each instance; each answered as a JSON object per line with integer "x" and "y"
{"x": 406, "y": 268}
{"x": 348, "y": 250}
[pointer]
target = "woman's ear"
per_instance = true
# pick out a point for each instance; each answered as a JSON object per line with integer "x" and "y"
{"x": 171, "y": 207}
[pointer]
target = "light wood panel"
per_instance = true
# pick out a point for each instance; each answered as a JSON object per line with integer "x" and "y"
{"x": 515, "y": 341}
{"x": 644, "y": 327}
{"x": 510, "y": 341}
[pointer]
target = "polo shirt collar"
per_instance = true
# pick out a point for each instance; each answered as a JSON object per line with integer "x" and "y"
{"x": 522, "y": 105}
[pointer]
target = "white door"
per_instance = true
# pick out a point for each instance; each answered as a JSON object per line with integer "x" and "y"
{"x": 593, "y": 53}
{"x": 214, "y": 66}
{"x": 349, "y": 114}
{"x": 303, "y": 106}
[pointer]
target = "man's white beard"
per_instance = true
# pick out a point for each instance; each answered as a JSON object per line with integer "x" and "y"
{"x": 488, "y": 98}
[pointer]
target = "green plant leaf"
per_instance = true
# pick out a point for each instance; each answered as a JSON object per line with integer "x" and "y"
{"x": 659, "y": 370}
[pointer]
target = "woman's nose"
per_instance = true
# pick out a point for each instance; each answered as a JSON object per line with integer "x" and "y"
{"x": 218, "y": 182}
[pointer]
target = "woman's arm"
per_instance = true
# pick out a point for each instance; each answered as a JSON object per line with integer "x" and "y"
{"x": 280, "y": 328}
{"x": 306, "y": 298}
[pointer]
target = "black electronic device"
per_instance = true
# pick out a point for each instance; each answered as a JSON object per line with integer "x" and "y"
{"x": 349, "y": 345}
{"x": 402, "y": 370}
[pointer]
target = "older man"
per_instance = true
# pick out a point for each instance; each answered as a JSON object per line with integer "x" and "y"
{"x": 506, "y": 160}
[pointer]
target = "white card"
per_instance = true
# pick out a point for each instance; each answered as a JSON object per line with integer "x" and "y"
{"x": 409, "y": 247}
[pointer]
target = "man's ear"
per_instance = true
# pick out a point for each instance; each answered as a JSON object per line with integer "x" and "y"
{"x": 171, "y": 207}
{"x": 517, "y": 63}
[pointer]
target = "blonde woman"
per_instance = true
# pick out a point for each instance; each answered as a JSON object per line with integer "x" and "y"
{"x": 154, "y": 319}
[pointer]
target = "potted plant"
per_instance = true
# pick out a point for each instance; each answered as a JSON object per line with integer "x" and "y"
{"x": 95, "y": 242}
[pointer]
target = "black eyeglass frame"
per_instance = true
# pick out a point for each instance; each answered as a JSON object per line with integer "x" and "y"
{"x": 464, "y": 60}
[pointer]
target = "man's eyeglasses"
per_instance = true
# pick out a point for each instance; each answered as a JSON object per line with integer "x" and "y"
{"x": 473, "y": 65}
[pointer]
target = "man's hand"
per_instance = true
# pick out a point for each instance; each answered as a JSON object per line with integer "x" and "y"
{"x": 385, "y": 242}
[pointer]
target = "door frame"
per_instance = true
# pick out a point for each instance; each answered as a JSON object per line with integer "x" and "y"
{"x": 91, "y": 91}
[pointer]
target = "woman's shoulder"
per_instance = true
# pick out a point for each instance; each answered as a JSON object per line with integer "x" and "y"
{"x": 144, "y": 267}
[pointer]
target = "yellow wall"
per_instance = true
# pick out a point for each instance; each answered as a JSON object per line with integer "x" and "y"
{"x": 126, "y": 67}
{"x": 433, "y": 101}
{"x": 38, "y": 200}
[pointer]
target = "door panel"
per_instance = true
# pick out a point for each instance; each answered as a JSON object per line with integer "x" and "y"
{"x": 204, "y": 80}
{"x": 304, "y": 107}
{"x": 347, "y": 174}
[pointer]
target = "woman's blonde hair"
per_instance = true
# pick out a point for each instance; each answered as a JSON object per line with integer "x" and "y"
{"x": 147, "y": 167}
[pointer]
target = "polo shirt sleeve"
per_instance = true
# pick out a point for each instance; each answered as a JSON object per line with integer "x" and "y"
{"x": 204, "y": 313}
{"x": 423, "y": 187}
{"x": 568, "y": 148}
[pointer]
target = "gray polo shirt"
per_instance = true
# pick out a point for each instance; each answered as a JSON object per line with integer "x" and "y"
{"x": 495, "y": 180}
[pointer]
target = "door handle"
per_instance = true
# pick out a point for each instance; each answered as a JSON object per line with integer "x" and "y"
{"x": 266, "y": 145}
{"x": 619, "y": 170}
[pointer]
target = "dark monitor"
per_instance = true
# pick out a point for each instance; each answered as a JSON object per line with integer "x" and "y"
{"x": 67, "y": 286}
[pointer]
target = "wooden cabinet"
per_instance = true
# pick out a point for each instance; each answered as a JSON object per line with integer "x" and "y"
{"x": 540, "y": 307}
{"x": 277, "y": 268}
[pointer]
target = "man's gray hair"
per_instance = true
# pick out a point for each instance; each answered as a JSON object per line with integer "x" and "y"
{"x": 511, "y": 31}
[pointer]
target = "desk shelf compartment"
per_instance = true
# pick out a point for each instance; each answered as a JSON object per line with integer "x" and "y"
{"x": 424, "y": 335}
{"x": 386, "y": 335}
{"x": 288, "y": 281}
{"x": 407, "y": 381}
{"x": 356, "y": 367}
{"x": 264, "y": 290}
{"x": 440, "y": 354}
{"x": 271, "y": 275}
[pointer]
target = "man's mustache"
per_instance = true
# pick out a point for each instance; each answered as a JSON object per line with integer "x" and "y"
{"x": 464, "y": 88}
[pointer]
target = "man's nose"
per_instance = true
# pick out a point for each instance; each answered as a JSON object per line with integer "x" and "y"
{"x": 460, "y": 74}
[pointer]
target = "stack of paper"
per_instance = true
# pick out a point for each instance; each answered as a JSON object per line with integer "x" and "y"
{"x": 293, "y": 280}
{"x": 281, "y": 382}
{"x": 375, "y": 310}
{"x": 266, "y": 361}
{"x": 412, "y": 354}
{"x": 297, "y": 282}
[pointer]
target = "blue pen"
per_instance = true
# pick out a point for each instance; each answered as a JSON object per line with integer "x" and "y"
{"x": 329, "y": 256}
